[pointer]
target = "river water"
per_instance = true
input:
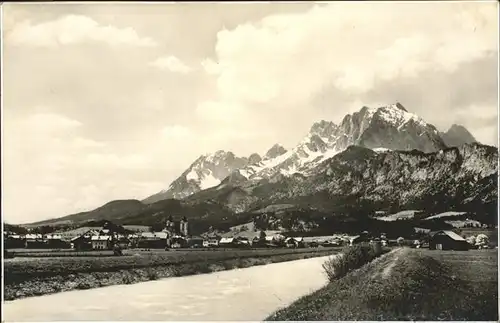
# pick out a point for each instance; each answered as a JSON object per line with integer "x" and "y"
{"x": 249, "y": 294}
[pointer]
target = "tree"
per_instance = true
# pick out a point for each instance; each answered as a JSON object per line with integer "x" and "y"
{"x": 262, "y": 236}
{"x": 471, "y": 240}
{"x": 482, "y": 240}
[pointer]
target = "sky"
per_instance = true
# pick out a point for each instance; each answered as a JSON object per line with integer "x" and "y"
{"x": 110, "y": 101}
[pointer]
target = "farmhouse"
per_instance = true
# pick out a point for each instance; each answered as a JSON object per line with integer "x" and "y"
{"x": 101, "y": 242}
{"x": 212, "y": 242}
{"x": 294, "y": 242}
{"x": 447, "y": 240}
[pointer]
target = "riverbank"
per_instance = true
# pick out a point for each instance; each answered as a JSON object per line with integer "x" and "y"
{"x": 407, "y": 284}
{"x": 35, "y": 277}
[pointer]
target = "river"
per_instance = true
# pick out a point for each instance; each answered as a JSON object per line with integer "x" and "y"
{"x": 249, "y": 294}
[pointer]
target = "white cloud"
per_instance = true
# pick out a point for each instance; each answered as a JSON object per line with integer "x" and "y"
{"x": 80, "y": 142}
{"x": 115, "y": 161}
{"x": 172, "y": 64}
{"x": 288, "y": 57}
{"x": 175, "y": 132}
{"x": 210, "y": 66}
{"x": 74, "y": 29}
{"x": 221, "y": 111}
{"x": 50, "y": 122}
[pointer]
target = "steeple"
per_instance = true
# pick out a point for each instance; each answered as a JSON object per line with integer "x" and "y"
{"x": 184, "y": 227}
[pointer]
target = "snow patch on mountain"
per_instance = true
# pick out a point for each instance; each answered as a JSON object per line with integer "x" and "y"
{"x": 192, "y": 176}
{"x": 209, "y": 181}
{"x": 399, "y": 117}
{"x": 381, "y": 150}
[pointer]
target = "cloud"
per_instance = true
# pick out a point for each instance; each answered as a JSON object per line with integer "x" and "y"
{"x": 210, "y": 66}
{"x": 114, "y": 125}
{"x": 221, "y": 111}
{"x": 175, "y": 132}
{"x": 50, "y": 122}
{"x": 172, "y": 64}
{"x": 74, "y": 29}
{"x": 115, "y": 161}
{"x": 83, "y": 143}
{"x": 288, "y": 57}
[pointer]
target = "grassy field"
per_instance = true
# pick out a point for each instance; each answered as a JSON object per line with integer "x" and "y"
{"x": 24, "y": 277}
{"x": 51, "y": 253}
{"x": 408, "y": 284}
{"x": 47, "y": 266}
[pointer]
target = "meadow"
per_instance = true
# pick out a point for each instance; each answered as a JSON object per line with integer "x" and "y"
{"x": 408, "y": 284}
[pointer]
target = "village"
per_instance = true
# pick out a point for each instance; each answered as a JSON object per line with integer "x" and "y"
{"x": 176, "y": 235}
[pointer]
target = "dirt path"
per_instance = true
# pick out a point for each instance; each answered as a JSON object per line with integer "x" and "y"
{"x": 392, "y": 258}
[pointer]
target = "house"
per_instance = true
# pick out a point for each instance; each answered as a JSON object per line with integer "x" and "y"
{"x": 294, "y": 242}
{"x": 178, "y": 241}
{"x": 258, "y": 243}
{"x": 81, "y": 243}
{"x": 242, "y": 242}
{"x": 101, "y": 242}
{"x": 335, "y": 242}
{"x": 355, "y": 240}
{"x": 227, "y": 242}
{"x": 212, "y": 241}
{"x": 12, "y": 240}
{"x": 55, "y": 241}
{"x": 75, "y": 233}
{"x": 447, "y": 240}
{"x": 34, "y": 241}
{"x": 84, "y": 240}
{"x": 153, "y": 240}
{"x": 196, "y": 242}
{"x": 136, "y": 228}
{"x": 310, "y": 241}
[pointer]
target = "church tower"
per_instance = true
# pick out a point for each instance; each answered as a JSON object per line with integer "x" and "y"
{"x": 184, "y": 228}
{"x": 169, "y": 225}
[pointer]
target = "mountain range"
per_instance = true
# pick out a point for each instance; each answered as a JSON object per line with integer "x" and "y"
{"x": 389, "y": 127}
{"x": 383, "y": 158}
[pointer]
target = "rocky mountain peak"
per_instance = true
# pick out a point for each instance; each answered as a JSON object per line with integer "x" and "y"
{"x": 275, "y": 151}
{"x": 254, "y": 159}
{"x": 316, "y": 144}
{"x": 389, "y": 127}
{"x": 324, "y": 129}
{"x": 457, "y": 135}
{"x": 399, "y": 106}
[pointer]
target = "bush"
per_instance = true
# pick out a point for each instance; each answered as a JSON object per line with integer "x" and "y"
{"x": 152, "y": 274}
{"x": 349, "y": 259}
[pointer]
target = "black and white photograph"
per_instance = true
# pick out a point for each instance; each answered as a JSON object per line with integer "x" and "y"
{"x": 250, "y": 161}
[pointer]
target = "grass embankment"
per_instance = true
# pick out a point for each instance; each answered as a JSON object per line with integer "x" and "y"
{"x": 407, "y": 284}
{"x": 25, "y": 277}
